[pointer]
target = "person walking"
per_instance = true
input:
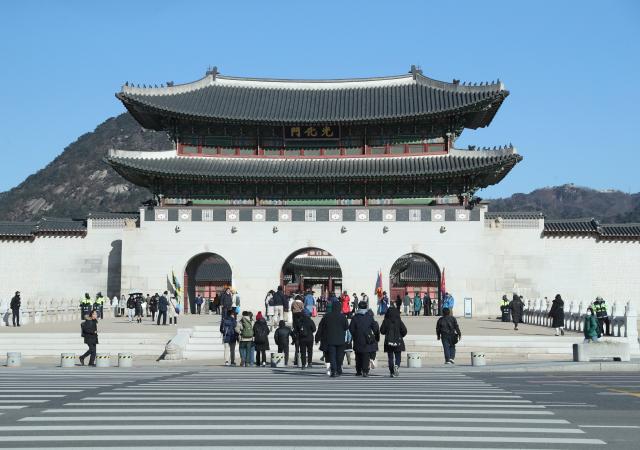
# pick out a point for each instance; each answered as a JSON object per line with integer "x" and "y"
{"x": 279, "y": 302}
{"x": 426, "y": 303}
{"x": 281, "y": 338}
{"x": 122, "y": 305}
{"x": 15, "y": 309}
{"x": 163, "y": 306}
{"x": 448, "y": 303}
{"x": 384, "y": 304}
{"x": 139, "y": 308}
{"x": 304, "y": 333}
{"x": 345, "y": 304}
{"x": 172, "y": 310}
{"x": 557, "y": 314}
{"x": 448, "y": 332}
{"x": 394, "y": 331}
{"x": 406, "y": 303}
{"x": 309, "y": 302}
{"x": 516, "y": 307}
{"x": 244, "y": 329}
{"x": 229, "y": 336}
{"x": 365, "y": 298}
{"x": 365, "y": 334}
{"x": 591, "y": 327}
{"x": 332, "y": 329}
{"x": 297, "y": 307}
{"x": 226, "y": 301}
{"x": 261, "y": 339}
{"x": 131, "y": 308}
{"x": 114, "y": 306}
{"x": 199, "y": 301}
{"x": 417, "y": 304}
{"x": 505, "y": 309}
{"x": 600, "y": 309}
{"x": 85, "y": 306}
{"x": 153, "y": 306}
{"x": 89, "y": 330}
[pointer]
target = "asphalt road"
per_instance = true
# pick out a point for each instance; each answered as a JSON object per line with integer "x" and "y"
{"x": 182, "y": 408}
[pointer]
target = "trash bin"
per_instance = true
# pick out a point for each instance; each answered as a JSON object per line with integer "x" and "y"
{"x": 414, "y": 360}
{"x": 67, "y": 360}
{"x": 14, "y": 359}
{"x": 103, "y": 360}
{"x": 277, "y": 359}
{"x": 478, "y": 359}
{"x": 125, "y": 360}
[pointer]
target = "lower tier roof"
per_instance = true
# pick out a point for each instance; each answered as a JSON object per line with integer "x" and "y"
{"x": 474, "y": 169}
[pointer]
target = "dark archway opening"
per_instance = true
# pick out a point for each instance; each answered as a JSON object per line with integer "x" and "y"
{"x": 312, "y": 269}
{"x": 417, "y": 273}
{"x": 207, "y": 275}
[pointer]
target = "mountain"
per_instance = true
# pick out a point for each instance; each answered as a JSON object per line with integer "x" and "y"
{"x": 570, "y": 201}
{"x": 78, "y": 181}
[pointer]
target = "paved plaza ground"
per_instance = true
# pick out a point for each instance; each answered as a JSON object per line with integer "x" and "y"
{"x": 191, "y": 407}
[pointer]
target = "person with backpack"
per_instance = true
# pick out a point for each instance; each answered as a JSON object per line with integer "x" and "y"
{"x": 139, "y": 308}
{"x": 153, "y": 306}
{"x": 89, "y": 330}
{"x": 366, "y": 334}
{"x": 229, "y": 336}
{"x": 281, "y": 338}
{"x": 304, "y": 331}
{"x": 244, "y": 329}
{"x": 448, "y": 332}
{"x": 309, "y": 302}
{"x": 261, "y": 339}
{"x": 394, "y": 331}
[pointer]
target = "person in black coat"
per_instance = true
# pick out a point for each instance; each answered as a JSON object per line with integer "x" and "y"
{"x": 557, "y": 313}
{"x": 365, "y": 334}
{"x": 90, "y": 334}
{"x": 332, "y": 330}
{"x": 261, "y": 339}
{"x": 153, "y": 306}
{"x": 15, "y": 309}
{"x": 304, "y": 331}
{"x": 163, "y": 305}
{"x": 516, "y": 306}
{"x": 226, "y": 301}
{"x": 394, "y": 331}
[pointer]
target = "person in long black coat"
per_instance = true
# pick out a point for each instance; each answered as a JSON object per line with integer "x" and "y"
{"x": 15, "y": 309}
{"x": 516, "y": 306}
{"x": 261, "y": 339}
{"x": 90, "y": 334}
{"x": 557, "y": 313}
{"x": 365, "y": 334}
{"x": 331, "y": 333}
{"x": 394, "y": 331}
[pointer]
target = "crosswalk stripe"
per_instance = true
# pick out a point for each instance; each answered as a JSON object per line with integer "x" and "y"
{"x": 299, "y": 418}
{"x": 269, "y": 427}
{"x": 223, "y": 399}
{"x": 296, "y": 437}
{"x": 286, "y": 409}
{"x": 242, "y": 402}
{"x": 229, "y": 393}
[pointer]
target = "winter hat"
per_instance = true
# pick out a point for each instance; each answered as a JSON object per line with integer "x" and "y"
{"x": 259, "y": 316}
{"x": 281, "y": 323}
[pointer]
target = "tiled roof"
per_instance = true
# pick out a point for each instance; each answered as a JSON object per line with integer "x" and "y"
{"x": 17, "y": 229}
{"x": 232, "y": 99}
{"x": 268, "y": 169}
{"x": 42, "y": 226}
{"x": 620, "y": 230}
{"x": 513, "y": 215}
{"x": 314, "y": 266}
{"x": 214, "y": 269}
{"x": 113, "y": 215}
{"x": 419, "y": 271}
{"x": 571, "y": 226}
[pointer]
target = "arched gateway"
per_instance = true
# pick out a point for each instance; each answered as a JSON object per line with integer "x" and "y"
{"x": 415, "y": 272}
{"x": 311, "y": 268}
{"x": 206, "y": 274}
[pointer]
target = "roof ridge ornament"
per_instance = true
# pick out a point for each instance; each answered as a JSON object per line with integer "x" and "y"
{"x": 212, "y": 71}
{"x": 415, "y": 71}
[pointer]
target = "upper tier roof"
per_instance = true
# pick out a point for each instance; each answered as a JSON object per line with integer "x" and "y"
{"x": 219, "y": 98}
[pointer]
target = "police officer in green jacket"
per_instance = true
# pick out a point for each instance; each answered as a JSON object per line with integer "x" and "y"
{"x": 85, "y": 306}
{"x": 98, "y": 305}
{"x": 600, "y": 309}
{"x": 504, "y": 309}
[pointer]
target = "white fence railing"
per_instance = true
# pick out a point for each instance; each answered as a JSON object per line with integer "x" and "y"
{"x": 46, "y": 311}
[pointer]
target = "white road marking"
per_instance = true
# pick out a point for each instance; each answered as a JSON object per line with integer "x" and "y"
{"x": 288, "y": 409}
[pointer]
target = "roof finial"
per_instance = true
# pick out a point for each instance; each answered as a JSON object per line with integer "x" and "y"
{"x": 169, "y": 83}
{"x": 213, "y": 71}
{"x": 415, "y": 71}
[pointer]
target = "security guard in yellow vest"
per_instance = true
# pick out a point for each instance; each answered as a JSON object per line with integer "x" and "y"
{"x": 85, "y": 306}
{"x": 600, "y": 309}
{"x": 504, "y": 309}
{"x": 98, "y": 305}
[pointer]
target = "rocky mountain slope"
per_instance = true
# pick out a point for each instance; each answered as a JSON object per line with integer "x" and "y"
{"x": 78, "y": 181}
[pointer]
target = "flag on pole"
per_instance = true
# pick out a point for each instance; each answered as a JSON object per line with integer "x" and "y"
{"x": 378, "y": 290}
{"x": 443, "y": 286}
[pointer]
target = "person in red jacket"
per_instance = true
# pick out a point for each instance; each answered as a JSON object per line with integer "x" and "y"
{"x": 346, "y": 304}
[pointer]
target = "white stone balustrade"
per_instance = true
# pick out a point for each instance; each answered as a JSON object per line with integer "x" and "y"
{"x": 45, "y": 311}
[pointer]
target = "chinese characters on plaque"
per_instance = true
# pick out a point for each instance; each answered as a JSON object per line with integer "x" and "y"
{"x": 312, "y": 132}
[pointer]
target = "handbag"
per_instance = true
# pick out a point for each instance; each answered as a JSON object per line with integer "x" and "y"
{"x": 314, "y": 312}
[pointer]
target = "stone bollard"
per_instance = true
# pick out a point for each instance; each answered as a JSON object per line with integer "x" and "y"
{"x": 414, "y": 360}
{"x": 14, "y": 359}
{"x": 478, "y": 359}
{"x": 125, "y": 360}
{"x": 277, "y": 359}
{"x": 103, "y": 360}
{"x": 67, "y": 360}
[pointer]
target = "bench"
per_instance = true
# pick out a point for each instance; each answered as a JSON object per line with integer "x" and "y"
{"x": 603, "y": 350}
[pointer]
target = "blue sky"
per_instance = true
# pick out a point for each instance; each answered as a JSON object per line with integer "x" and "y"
{"x": 572, "y": 68}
